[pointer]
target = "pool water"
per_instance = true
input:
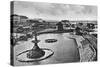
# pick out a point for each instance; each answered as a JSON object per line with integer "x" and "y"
{"x": 65, "y": 49}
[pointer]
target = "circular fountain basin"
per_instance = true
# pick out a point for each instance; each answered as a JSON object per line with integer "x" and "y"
{"x": 50, "y": 40}
{"x": 22, "y": 57}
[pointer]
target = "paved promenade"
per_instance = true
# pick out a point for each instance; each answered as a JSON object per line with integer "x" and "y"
{"x": 86, "y": 49}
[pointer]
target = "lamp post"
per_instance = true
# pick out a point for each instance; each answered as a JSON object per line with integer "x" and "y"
{"x": 35, "y": 52}
{"x": 35, "y": 41}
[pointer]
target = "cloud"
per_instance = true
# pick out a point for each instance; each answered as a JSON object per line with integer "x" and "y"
{"x": 53, "y": 9}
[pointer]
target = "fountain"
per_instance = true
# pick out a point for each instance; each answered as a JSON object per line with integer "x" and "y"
{"x": 36, "y": 53}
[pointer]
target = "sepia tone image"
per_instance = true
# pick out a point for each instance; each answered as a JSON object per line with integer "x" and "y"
{"x": 52, "y": 33}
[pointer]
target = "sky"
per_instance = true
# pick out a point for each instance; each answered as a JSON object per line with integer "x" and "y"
{"x": 55, "y": 11}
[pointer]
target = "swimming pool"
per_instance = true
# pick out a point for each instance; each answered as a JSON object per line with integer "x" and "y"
{"x": 65, "y": 49}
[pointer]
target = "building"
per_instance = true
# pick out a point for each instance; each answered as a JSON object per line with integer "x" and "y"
{"x": 19, "y": 20}
{"x": 15, "y": 18}
{"x": 23, "y": 19}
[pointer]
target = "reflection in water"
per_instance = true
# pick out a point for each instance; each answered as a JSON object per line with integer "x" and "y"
{"x": 65, "y": 49}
